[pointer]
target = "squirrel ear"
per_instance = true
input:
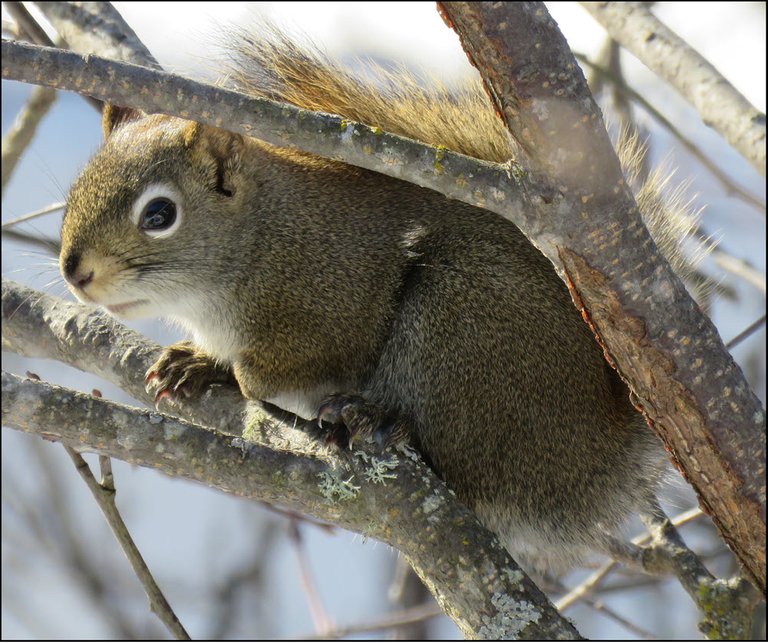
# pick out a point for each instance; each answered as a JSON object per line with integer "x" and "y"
{"x": 217, "y": 146}
{"x": 113, "y": 115}
{"x": 218, "y": 142}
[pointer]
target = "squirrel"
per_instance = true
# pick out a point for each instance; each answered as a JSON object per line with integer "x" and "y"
{"x": 381, "y": 308}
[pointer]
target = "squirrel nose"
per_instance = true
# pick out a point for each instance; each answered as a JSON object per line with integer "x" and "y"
{"x": 73, "y": 274}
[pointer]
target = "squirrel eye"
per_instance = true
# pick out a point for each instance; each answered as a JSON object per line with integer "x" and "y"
{"x": 157, "y": 211}
{"x": 158, "y": 214}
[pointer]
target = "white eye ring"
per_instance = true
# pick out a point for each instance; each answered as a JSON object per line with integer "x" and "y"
{"x": 157, "y": 192}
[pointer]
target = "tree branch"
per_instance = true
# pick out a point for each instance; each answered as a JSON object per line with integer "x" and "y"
{"x": 464, "y": 565}
{"x": 277, "y": 123}
{"x": 719, "y": 104}
{"x": 38, "y": 325}
{"x": 582, "y": 215}
{"x": 27, "y": 25}
{"x": 30, "y": 30}
{"x": 20, "y": 134}
{"x": 54, "y": 207}
{"x": 97, "y": 27}
{"x": 588, "y": 585}
{"x": 105, "y": 498}
{"x": 405, "y": 616}
{"x": 727, "y": 606}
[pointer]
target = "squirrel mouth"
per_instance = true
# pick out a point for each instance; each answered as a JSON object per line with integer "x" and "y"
{"x": 120, "y": 309}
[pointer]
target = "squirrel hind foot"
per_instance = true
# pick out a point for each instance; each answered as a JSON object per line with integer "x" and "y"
{"x": 344, "y": 419}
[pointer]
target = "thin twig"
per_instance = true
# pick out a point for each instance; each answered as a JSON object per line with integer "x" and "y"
{"x": 608, "y": 67}
{"x": 731, "y": 187}
{"x": 407, "y": 590}
{"x": 594, "y": 579}
{"x": 726, "y": 606}
{"x": 11, "y": 29}
{"x": 20, "y": 135}
{"x": 740, "y": 268}
{"x": 107, "y": 479}
{"x": 228, "y": 593}
{"x": 745, "y": 333}
{"x": 50, "y": 246}
{"x": 48, "y": 209}
{"x": 326, "y": 527}
{"x": 632, "y": 582}
{"x": 396, "y": 619}
{"x": 601, "y": 607}
{"x": 27, "y": 25}
{"x": 106, "y": 500}
{"x": 59, "y": 533}
{"x": 321, "y": 619}
{"x": 397, "y": 587}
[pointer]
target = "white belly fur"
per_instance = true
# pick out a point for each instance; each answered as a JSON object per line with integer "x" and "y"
{"x": 303, "y": 403}
{"x": 224, "y": 344}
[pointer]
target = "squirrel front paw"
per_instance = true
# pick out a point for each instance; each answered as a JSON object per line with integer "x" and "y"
{"x": 185, "y": 371}
{"x": 341, "y": 419}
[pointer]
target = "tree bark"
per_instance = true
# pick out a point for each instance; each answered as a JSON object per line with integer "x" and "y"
{"x": 584, "y": 218}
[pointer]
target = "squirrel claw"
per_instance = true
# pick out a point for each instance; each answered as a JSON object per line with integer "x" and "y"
{"x": 332, "y": 410}
{"x": 167, "y": 390}
{"x": 323, "y": 416}
{"x": 343, "y": 419}
{"x": 183, "y": 372}
{"x": 161, "y": 395}
{"x": 331, "y": 424}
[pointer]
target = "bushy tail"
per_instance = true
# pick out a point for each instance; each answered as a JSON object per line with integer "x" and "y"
{"x": 667, "y": 210}
{"x": 272, "y": 65}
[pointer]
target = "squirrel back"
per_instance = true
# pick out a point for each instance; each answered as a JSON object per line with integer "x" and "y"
{"x": 383, "y": 308}
{"x": 270, "y": 64}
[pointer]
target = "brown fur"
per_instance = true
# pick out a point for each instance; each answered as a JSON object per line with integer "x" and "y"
{"x": 307, "y": 277}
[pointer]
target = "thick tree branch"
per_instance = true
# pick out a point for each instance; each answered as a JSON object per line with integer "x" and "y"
{"x": 277, "y": 123}
{"x": 582, "y": 215}
{"x": 720, "y": 105}
{"x": 33, "y": 32}
{"x": 463, "y": 564}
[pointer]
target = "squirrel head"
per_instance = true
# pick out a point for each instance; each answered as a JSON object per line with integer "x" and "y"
{"x": 145, "y": 208}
